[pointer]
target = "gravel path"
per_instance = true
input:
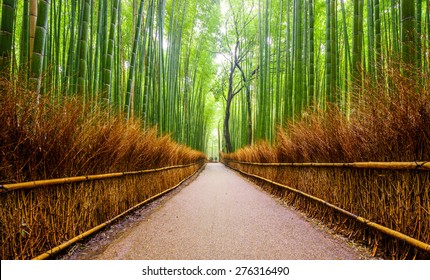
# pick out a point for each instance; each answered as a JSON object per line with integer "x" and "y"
{"x": 222, "y": 216}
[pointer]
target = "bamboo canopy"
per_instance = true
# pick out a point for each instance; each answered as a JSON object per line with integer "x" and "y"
{"x": 62, "y": 181}
{"x": 410, "y": 240}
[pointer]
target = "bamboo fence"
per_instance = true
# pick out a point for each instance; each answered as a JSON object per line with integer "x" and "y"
{"x": 41, "y": 218}
{"x": 385, "y": 205}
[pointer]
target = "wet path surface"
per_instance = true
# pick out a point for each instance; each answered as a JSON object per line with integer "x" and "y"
{"x": 222, "y": 216}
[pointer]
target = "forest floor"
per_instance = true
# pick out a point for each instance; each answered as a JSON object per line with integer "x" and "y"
{"x": 219, "y": 215}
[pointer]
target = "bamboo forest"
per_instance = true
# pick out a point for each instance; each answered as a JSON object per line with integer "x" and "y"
{"x": 100, "y": 87}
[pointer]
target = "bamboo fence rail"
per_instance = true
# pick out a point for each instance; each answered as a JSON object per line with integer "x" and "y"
{"x": 35, "y": 217}
{"x": 94, "y": 230}
{"x": 412, "y": 241}
{"x": 422, "y": 165}
{"x": 62, "y": 181}
{"x": 393, "y": 196}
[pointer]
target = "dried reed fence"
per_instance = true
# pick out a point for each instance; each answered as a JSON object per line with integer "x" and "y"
{"x": 38, "y": 216}
{"x": 395, "y": 195}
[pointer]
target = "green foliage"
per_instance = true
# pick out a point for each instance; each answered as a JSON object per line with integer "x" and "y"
{"x": 159, "y": 59}
{"x": 152, "y": 59}
{"x": 311, "y": 53}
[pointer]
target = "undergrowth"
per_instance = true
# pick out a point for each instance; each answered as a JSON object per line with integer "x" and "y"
{"x": 43, "y": 139}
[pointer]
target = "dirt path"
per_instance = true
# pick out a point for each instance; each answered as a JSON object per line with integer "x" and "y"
{"x": 222, "y": 216}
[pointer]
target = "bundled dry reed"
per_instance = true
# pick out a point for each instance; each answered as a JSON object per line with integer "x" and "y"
{"x": 45, "y": 139}
{"x": 389, "y": 122}
{"x": 34, "y": 221}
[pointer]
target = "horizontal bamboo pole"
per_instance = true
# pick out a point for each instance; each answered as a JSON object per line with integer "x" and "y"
{"x": 62, "y": 181}
{"x": 410, "y": 240}
{"x": 72, "y": 241}
{"x": 422, "y": 165}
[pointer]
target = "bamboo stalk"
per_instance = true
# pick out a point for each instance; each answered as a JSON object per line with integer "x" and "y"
{"x": 72, "y": 241}
{"x": 410, "y": 240}
{"x": 62, "y": 181}
{"x": 419, "y": 165}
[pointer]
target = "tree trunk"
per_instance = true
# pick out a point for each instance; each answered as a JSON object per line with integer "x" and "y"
{"x": 249, "y": 115}
{"x": 229, "y": 147}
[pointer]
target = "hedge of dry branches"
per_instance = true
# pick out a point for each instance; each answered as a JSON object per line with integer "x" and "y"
{"x": 389, "y": 121}
{"x": 36, "y": 220}
{"x": 44, "y": 139}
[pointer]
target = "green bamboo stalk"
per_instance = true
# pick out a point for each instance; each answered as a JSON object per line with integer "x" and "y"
{"x": 288, "y": 65}
{"x": 378, "y": 42}
{"x": 408, "y": 31}
{"x": 298, "y": 58}
{"x": 395, "y": 26}
{"x": 130, "y": 82}
{"x": 428, "y": 20}
{"x": 116, "y": 93}
{"x": 39, "y": 45}
{"x": 70, "y": 69}
{"x": 91, "y": 67}
{"x": 98, "y": 49}
{"x": 311, "y": 54}
{"x": 6, "y": 36}
{"x": 83, "y": 49}
{"x": 33, "y": 22}
{"x": 335, "y": 53}
{"x": 109, "y": 59}
{"x": 418, "y": 39}
{"x": 25, "y": 36}
{"x": 150, "y": 68}
{"x": 329, "y": 60}
{"x": 428, "y": 36}
{"x": 56, "y": 38}
{"x": 370, "y": 39}
{"x": 347, "y": 61}
{"x": 357, "y": 43}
